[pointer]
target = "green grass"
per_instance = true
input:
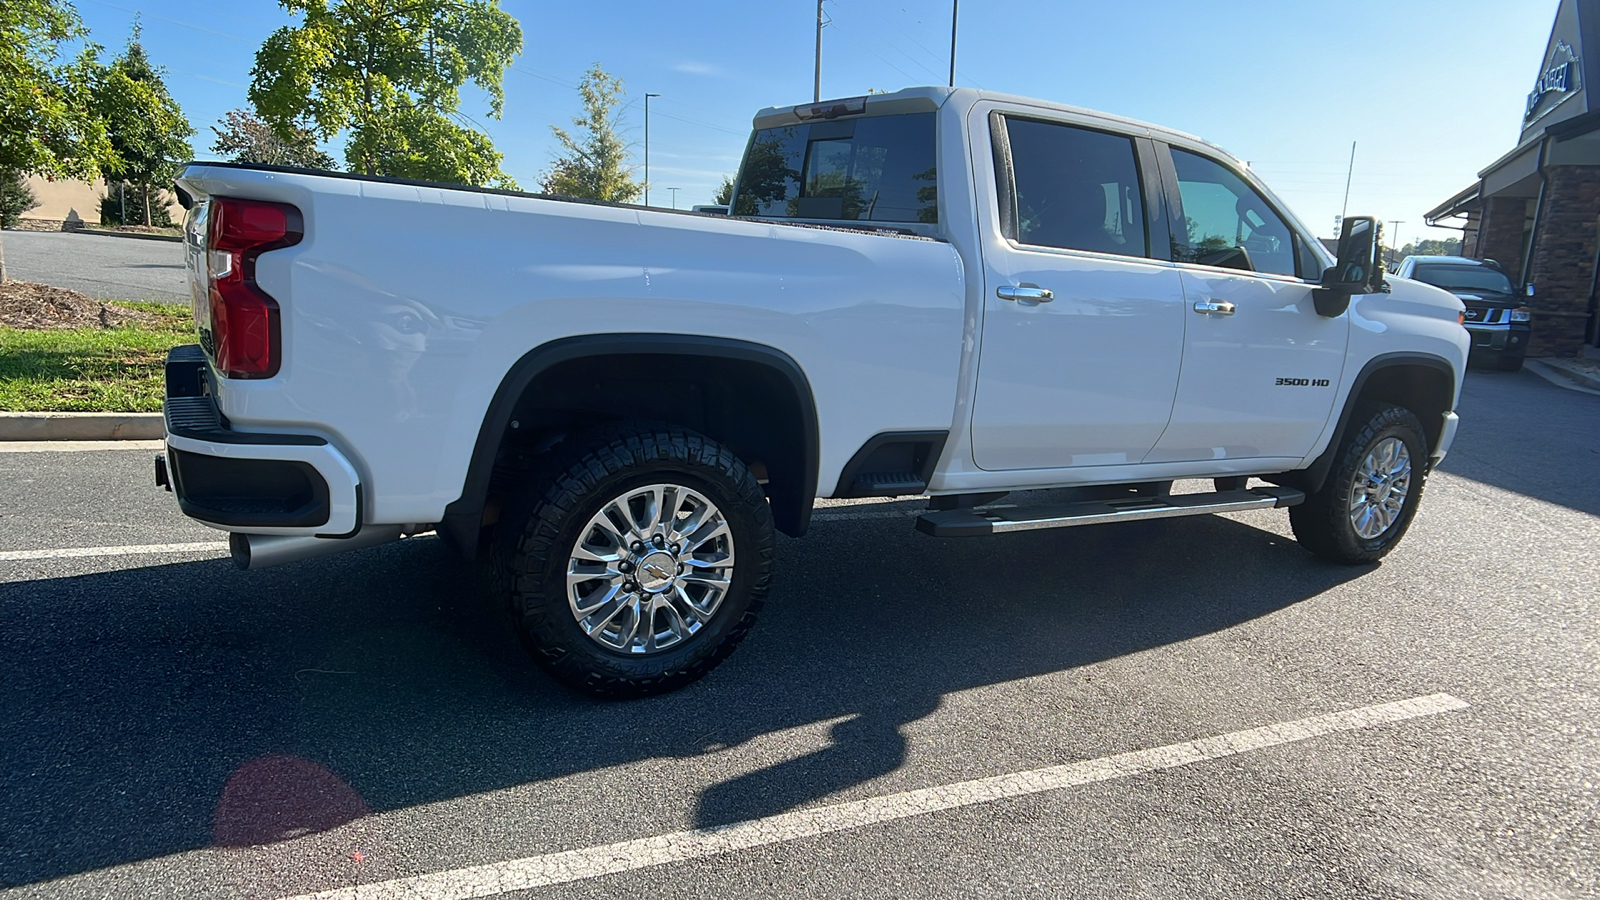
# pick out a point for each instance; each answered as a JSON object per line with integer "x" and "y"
{"x": 91, "y": 369}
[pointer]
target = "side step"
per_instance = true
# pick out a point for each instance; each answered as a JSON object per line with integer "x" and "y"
{"x": 974, "y": 522}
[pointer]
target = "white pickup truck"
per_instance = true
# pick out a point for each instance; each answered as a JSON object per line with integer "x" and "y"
{"x": 936, "y": 292}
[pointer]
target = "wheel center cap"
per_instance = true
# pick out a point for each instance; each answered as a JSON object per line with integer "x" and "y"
{"x": 657, "y": 572}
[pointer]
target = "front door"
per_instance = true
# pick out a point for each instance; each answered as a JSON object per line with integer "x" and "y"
{"x": 1083, "y": 331}
{"x": 1261, "y": 369}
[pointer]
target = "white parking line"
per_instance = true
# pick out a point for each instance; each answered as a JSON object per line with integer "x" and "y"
{"x": 76, "y": 446}
{"x": 131, "y": 550}
{"x": 594, "y": 862}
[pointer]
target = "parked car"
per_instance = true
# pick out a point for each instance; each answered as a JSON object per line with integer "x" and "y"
{"x": 939, "y": 292}
{"x": 1496, "y": 316}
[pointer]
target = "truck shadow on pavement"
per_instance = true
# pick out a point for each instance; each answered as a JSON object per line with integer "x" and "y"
{"x": 134, "y": 699}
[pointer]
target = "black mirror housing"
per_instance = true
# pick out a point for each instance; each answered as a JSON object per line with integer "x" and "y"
{"x": 1360, "y": 268}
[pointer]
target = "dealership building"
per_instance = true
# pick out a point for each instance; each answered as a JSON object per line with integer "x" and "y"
{"x": 1536, "y": 210}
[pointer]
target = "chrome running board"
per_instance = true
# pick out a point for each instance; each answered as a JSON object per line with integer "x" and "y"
{"x": 974, "y": 522}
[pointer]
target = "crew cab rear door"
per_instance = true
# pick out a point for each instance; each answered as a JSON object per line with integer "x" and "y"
{"x": 1261, "y": 368}
{"x": 1082, "y": 319}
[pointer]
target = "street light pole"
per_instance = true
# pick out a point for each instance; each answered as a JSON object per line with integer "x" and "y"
{"x": 816, "y": 89}
{"x": 647, "y": 147}
{"x": 674, "y": 197}
{"x": 955, "y": 14}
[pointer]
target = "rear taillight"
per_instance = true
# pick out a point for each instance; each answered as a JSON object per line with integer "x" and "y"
{"x": 246, "y": 337}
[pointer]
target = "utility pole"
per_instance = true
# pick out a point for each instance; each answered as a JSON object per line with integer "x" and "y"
{"x": 647, "y": 147}
{"x": 1394, "y": 237}
{"x": 674, "y": 197}
{"x": 816, "y": 89}
{"x": 955, "y": 13}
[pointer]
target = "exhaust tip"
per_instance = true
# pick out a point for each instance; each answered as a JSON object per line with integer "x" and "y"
{"x": 239, "y": 548}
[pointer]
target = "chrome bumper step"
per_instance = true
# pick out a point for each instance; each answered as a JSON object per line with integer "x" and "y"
{"x": 1003, "y": 520}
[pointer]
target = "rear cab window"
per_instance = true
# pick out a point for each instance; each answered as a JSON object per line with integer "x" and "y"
{"x": 878, "y": 169}
{"x": 1075, "y": 189}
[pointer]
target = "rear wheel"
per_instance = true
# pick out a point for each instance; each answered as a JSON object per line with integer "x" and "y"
{"x": 1370, "y": 497}
{"x": 641, "y": 560}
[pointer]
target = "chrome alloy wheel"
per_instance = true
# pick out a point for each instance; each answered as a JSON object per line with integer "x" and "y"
{"x": 650, "y": 569}
{"x": 1381, "y": 485}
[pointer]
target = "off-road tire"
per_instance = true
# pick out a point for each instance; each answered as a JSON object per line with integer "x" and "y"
{"x": 1322, "y": 523}
{"x": 559, "y": 499}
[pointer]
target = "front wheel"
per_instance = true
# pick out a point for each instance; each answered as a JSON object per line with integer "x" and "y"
{"x": 642, "y": 561}
{"x": 1370, "y": 497}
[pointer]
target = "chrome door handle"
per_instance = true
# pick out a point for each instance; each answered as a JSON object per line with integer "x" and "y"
{"x": 1219, "y": 307}
{"x": 1030, "y": 293}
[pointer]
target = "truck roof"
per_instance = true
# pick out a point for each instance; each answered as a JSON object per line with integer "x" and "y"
{"x": 928, "y": 98}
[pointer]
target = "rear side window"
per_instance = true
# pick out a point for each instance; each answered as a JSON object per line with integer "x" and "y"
{"x": 1076, "y": 189}
{"x": 1224, "y": 215}
{"x": 872, "y": 169}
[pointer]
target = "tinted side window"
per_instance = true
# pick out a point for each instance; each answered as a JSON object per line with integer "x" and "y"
{"x": 1076, "y": 189}
{"x": 1224, "y": 214}
{"x": 874, "y": 169}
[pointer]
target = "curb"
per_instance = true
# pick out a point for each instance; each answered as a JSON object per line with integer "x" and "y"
{"x": 69, "y": 426}
{"x": 1561, "y": 376}
{"x": 170, "y": 238}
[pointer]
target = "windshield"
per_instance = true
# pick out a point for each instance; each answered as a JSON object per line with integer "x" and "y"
{"x": 874, "y": 169}
{"x": 1464, "y": 278}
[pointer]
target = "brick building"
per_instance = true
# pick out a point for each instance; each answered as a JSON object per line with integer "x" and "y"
{"x": 1536, "y": 210}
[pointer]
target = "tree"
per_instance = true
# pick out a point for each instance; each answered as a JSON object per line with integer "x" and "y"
{"x": 46, "y": 123}
{"x": 15, "y": 197}
{"x": 725, "y": 192}
{"x": 390, "y": 72}
{"x": 594, "y": 166}
{"x": 148, "y": 132}
{"x": 245, "y": 138}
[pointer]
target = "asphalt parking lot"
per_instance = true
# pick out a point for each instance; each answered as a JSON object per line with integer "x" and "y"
{"x": 172, "y": 727}
{"x": 109, "y": 268}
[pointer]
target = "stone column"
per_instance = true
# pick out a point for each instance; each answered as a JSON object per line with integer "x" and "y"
{"x": 1563, "y": 260}
{"x": 1500, "y": 232}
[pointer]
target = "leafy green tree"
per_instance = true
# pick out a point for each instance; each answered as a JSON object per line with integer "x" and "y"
{"x": 594, "y": 166}
{"x": 245, "y": 138}
{"x": 46, "y": 123}
{"x": 724, "y": 194}
{"x": 15, "y": 197}
{"x": 390, "y": 72}
{"x": 148, "y": 132}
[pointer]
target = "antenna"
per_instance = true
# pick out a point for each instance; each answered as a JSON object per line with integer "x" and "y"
{"x": 1347, "y": 179}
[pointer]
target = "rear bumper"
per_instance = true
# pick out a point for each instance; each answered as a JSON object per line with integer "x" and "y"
{"x": 287, "y": 484}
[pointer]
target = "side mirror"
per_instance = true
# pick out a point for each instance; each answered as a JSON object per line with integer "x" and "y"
{"x": 1530, "y": 289}
{"x": 1360, "y": 269}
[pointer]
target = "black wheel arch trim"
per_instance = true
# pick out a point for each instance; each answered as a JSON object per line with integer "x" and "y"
{"x": 463, "y": 517}
{"x": 1311, "y": 478}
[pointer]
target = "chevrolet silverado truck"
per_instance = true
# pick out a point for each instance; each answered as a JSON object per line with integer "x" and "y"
{"x": 939, "y": 292}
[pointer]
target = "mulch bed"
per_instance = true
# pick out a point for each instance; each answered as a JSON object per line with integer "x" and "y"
{"x": 37, "y": 307}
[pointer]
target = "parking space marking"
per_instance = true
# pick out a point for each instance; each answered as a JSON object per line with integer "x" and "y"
{"x": 593, "y": 862}
{"x": 131, "y": 550}
{"x": 76, "y": 446}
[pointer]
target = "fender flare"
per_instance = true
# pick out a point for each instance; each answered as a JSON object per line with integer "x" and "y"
{"x": 1311, "y": 478}
{"x": 463, "y": 516}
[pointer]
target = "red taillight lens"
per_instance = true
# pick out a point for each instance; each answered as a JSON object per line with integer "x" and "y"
{"x": 246, "y": 337}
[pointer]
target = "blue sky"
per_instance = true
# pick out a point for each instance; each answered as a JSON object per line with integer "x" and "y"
{"x": 1432, "y": 91}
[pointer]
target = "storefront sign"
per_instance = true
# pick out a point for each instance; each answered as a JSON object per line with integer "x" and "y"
{"x": 1560, "y": 77}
